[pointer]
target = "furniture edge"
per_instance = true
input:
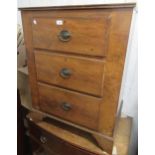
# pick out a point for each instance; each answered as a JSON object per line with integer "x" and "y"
{"x": 72, "y": 7}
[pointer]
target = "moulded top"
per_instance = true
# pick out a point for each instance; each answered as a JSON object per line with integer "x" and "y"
{"x": 98, "y": 6}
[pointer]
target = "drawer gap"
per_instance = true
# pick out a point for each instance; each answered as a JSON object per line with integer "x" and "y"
{"x": 103, "y": 58}
{"x": 92, "y": 95}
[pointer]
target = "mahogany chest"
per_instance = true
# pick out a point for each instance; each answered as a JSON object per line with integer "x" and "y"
{"x": 76, "y": 57}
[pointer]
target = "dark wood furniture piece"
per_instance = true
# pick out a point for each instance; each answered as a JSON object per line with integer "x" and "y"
{"x": 55, "y": 138}
{"x": 76, "y": 57}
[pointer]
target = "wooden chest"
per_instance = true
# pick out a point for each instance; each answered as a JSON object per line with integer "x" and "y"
{"x": 76, "y": 57}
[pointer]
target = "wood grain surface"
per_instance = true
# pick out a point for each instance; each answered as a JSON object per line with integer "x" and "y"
{"x": 118, "y": 39}
{"x": 83, "y": 110}
{"x": 88, "y": 36}
{"x": 105, "y": 55}
{"x": 84, "y": 72}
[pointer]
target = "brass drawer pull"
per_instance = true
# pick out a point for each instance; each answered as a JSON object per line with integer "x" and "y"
{"x": 43, "y": 139}
{"x": 65, "y": 73}
{"x": 66, "y": 106}
{"x": 64, "y": 35}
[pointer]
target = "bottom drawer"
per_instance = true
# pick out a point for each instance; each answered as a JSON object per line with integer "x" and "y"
{"x": 72, "y": 106}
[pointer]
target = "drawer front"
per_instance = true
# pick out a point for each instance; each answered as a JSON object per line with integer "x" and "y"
{"x": 51, "y": 143}
{"x": 75, "y": 107}
{"x": 76, "y": 73}
{"x": 87, "y": 36}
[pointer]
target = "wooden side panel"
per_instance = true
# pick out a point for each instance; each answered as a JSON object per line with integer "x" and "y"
{"x": 118, "y": 38}
{"x": 26, "y": 16}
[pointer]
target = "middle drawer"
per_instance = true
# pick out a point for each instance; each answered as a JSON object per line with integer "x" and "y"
{"x": 76, "y": 73}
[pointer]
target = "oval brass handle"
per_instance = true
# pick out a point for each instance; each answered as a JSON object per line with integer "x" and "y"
{"x": 43, "y": 139}
{"x": 65, "y": 73}
{"x": 64, "y": 35}
{"x": 66, "y": 106}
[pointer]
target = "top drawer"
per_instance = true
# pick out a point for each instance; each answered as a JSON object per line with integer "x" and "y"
{"x": 78, "y": 35}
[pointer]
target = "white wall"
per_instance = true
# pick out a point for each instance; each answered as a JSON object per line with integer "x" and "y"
{"x": 28, "y": 3}
{"x": 129, "y": 83}
{"x": 129, "y": 90}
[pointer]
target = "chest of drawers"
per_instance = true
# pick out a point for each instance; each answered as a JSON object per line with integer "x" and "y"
{"x": 76, "y": 57}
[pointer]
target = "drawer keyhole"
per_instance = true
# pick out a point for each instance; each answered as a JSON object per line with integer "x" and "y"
{"x": 66, "y": 106}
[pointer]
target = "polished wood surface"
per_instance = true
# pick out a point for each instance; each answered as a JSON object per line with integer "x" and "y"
{"x": 84, "y": 39}
{"x": 113, "y": 44}
{"x": 83, "y": 109}
{"x": 84, "y": 72}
